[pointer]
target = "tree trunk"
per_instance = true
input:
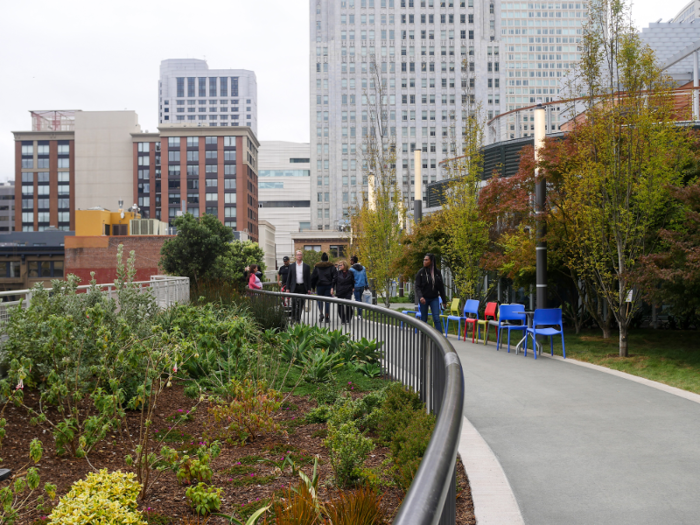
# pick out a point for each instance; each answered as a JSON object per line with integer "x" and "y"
{"x": 623, "y": 340}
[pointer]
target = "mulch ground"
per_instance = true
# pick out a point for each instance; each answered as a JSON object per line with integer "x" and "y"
{"x": 246, "y": 473}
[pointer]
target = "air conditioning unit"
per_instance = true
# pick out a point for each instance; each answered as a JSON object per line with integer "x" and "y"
{"x": 148, "y": 227}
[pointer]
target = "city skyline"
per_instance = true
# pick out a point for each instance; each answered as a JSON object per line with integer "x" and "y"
{"x": 74, "y": 75}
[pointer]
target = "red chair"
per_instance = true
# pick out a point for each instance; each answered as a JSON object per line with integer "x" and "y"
{"x": 491, "y": 309}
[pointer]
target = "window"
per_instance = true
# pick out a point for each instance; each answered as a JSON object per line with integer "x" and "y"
{"x": 173, "y": 142}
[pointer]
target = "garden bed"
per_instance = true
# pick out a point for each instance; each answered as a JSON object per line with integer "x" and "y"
{"x": 247, "y": 474}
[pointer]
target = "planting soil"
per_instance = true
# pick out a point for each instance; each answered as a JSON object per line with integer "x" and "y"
{"x": 250, "y": 475}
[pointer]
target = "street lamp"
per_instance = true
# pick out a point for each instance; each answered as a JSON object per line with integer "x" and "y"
{"x": 540, "y": 199}
{"x": 418, "y": 189}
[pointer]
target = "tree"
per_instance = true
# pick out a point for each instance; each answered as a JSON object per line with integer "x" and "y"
{"x": 627, "y": 150}
{"x": 376, "y": 223}
{"x": 428, "y": 236}
{"x": 194, "y": 250}
{"x": 230, "y": 265}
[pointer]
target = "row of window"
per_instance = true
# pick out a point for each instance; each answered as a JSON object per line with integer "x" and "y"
{"x": 45, "y": 204}
{"x": 43, "y": 176}
{"x": 43, "y": 149}
{"x": 35, "y": 269}
{"x": 193, "y": 142}
{"x": 63, "y": 189}
{"x": 43, "y": 217}
{"x": 404, "y": 3}
{"x": 43, "y": 163}
{"x": 222, "y": 83}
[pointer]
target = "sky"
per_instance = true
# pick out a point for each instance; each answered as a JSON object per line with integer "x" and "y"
{"x": 100, "y": 56}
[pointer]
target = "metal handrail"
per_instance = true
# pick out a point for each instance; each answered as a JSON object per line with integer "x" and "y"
{"x": 426, "y": 502}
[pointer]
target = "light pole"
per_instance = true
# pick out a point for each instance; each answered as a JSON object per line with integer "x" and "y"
{"x": 418, "y": 189}
{"x": 540, "y": 199}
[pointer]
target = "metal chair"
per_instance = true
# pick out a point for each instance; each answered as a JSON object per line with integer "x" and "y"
{"x": 546, "y": 317}
{"x": 507, "y": 314}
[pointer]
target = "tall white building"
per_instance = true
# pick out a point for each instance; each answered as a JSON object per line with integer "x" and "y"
{"x": 431, "y": 55}
{"x": 689, "y": 13}
{"x": 191, "y": 93}
{"x": 541, "y": 42}
{"x": 283, "y": 192}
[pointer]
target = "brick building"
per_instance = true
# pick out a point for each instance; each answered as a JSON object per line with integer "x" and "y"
{"x": 207, "y": 170}
{"x": 99, "y": 254}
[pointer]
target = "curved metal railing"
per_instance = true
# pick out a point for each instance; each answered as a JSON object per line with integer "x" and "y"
{"x": 420, "y": 357}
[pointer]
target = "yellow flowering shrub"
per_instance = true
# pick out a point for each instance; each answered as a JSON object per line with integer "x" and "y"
{"x": 103, "y": 498}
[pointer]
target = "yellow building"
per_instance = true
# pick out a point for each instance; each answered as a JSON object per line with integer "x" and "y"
{"x": 98, "y": 221}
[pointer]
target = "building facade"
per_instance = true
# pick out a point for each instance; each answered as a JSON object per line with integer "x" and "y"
{"x": 541, "y": 41}
{"x": 667, "y": 39}
{"x": 434, "y": 57}
{"x": 7, "y": 207}
{"x": 32, "y": 257}
{"x": 285, "y": 186}
{"x": 71, "y": 160}
{"x": 688, "y": 14}
{"x": 190, "y": 92}
{"x": 206, "y": 170}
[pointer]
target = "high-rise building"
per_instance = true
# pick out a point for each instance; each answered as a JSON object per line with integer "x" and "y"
{"x": 71, "y": 160}
{"x": 7, "y": 207}
{"x": 198, "y": 170}
{"x": 284, "y": 191}
{"x": 540, "y": 41}
{"x": 689, "y": 13}
{"x": 432, "y": 56}
{"x": 189, "y": 92}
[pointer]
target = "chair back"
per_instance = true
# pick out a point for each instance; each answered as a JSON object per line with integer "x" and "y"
{"x": 547, "y": 316}
{"x": 454, "y": 307}
{"x": 490, "y": 310}
{"x": 508, "y": 312}
{"x": 471, "y": 307}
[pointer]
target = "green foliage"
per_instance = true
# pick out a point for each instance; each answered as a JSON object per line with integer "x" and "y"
{"x": 230, "y": 265}
{"x": 252, "y": 519}
{"x": 348, "y": 449}
{"x": 267, "y": 312}
{"x": 319, "y": 365}
{"x": 188, "y": 468}
{"x": 247, "y": 411}
{"x": 311, "y": 257}
{"x": 203, "y": 499}
{"x": 299, "y": 507}
{"x": 102, "y": 497}
{"x": 195, "y": 250}
{"x": 18, "y": 498}
{"x": 409, "y": 444}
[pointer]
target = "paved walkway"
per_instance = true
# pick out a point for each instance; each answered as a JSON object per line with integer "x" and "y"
{"x": 581, "y": 446}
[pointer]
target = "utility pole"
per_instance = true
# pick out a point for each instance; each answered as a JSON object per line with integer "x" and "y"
{"x": 540, "y": 199}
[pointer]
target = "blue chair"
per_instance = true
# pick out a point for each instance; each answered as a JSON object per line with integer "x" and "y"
{"x": 508, "y": 314}
{"x": 471, "y": 307}
{"x": 415, "y": 313}
{"x": 546, "y": 317}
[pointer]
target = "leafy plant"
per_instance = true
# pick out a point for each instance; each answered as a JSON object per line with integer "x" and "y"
{"x": 252, "y": 520}
{"x": 319, "y": 365}
{"x": 299, "y": 507}
{"x": 248, "y": 411}
{"x": 348, "y": 449}
{"x": 102, "y": 497}
{"x": 397, "y": 410}
{"x": 408, "y": 446}
{"x": 191, "y": 468}
{"x": 18, "y": 499}
{"x": 369, "y": 369}
{"x": 365, "y": 351}
{"x": 203, "y": 499}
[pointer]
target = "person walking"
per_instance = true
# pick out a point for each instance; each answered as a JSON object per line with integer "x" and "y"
{"x": 429, "y": 289}
{"x": 254, "y": 282}
{"x": 323, "y": 281}
{"x": 298, "y": 280}
{"x": 283, "y": 273}
{"x": 343, "y": 290}
{"x": 361, "y": 282}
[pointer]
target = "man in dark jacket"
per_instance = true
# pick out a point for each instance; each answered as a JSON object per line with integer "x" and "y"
{"x": 323, "y": 281}
{"x": 429, "y": 289}
{"x": 345, "y": 285}
{"x": 298, "y": 281}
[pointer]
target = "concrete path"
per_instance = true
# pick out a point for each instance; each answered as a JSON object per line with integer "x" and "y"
{"x": 581, "y": 446}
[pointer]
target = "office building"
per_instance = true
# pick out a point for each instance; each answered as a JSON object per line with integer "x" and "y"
{"x": 541, "y": 42}
{"x": 688, "y": 14}
{"x": 434, "y": 58}
{"x": 206, "y": 170}
{"x": 71, "y": 160}
{"x": 668, "y": 39}
{"x": 285, "y": 185}
{"x": 189, "y": 92}
{"x": 7, "y": 207}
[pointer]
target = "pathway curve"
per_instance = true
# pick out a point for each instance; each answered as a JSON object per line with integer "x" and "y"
{"x": 581, "y": 446}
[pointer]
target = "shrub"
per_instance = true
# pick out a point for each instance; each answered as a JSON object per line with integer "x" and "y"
{"x": 357, "y": 507}
{"x": 203, "y": 499}
{"x": 326, "y": 394}
{"x": 299, "y": 507}
{"x": 348, "y": 449}
{"x": 409, "y": 444}
{"x": 249, "y": 411}
{"x": 319, "y": 365}
{"x": 397, "y": 410}
{"x": 101, "y": 498}
{"x": 189, "y": 469}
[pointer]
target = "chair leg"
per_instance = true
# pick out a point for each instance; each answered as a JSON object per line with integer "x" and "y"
{"x": 563, "y": 350}
{"x": 498, "y": 337}
{"x": 534, "y": 342}
{"x": 486, "y": 335}
{"x": 551, "y": 345}
{"x": 473, "y": 332}
{"x": 509, "y": 341}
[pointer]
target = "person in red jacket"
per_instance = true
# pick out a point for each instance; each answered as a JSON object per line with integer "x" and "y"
{"x": 254, "y": 281}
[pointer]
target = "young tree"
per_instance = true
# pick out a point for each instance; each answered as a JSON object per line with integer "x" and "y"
{"x": 626, "y": 153}
{"x": 194, "y": 250}
{"x": 376, "y": 223}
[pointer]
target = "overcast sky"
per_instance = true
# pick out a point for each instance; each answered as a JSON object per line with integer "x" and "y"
{"x": 95, "y": 55}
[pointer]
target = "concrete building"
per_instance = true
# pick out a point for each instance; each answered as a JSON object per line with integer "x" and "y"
{"x": 432, "y": 56}
{"x": 284, "y": 187}
{"x": 667, "y": 40}
{"x": 7, "y": 207}
{"x": 540, "y": 43}
{"x": 688, "y": 14}
{"x": 188, "y": 91}
{"x": 208, "y": 170}
{"x": 266, "y": 241}
{"x": 335, "y": 244}
{"x": 71, "y": 160}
